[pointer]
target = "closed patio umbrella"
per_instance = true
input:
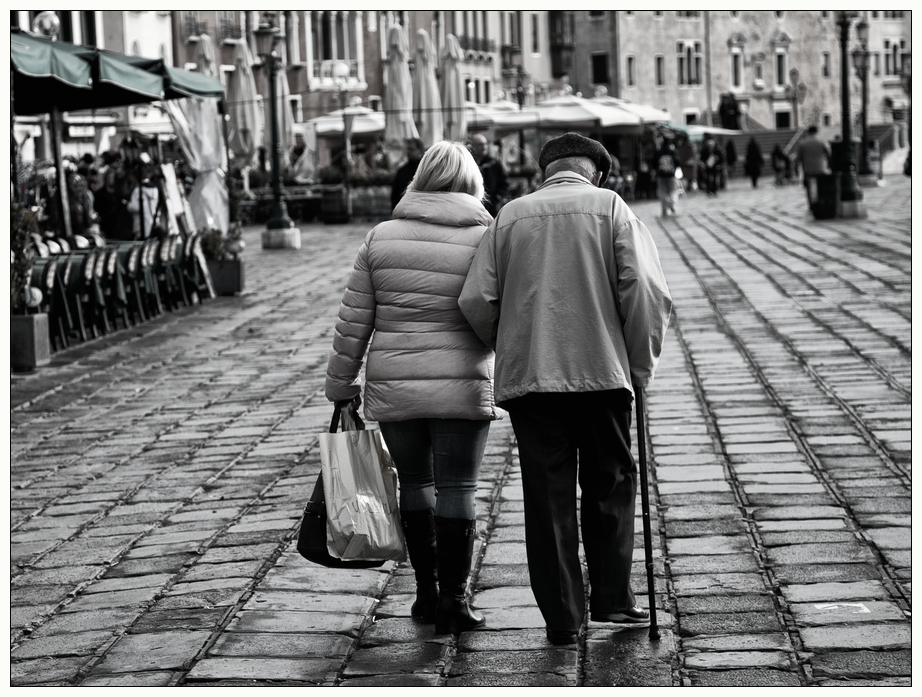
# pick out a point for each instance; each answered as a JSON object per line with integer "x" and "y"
{"x": 398, "y": 96}
{"x": 454, "y": 92}
{"x": 243, "y": 108}
{"x": 200, "y": 134}
{"x": 427, "y": 106}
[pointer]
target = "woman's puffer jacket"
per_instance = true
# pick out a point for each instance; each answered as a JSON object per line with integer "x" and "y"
{"x": 424, "y": 360}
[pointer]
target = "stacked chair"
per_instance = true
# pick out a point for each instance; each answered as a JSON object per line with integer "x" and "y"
{"x": 93, "y": 288}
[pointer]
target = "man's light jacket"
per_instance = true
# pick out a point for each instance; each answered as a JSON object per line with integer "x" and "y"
{"x": 567, "y": 287}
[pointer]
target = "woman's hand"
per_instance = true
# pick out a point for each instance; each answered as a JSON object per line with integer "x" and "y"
{"x": 356, "y": 402}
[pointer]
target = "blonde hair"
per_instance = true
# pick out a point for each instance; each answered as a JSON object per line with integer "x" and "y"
{"x": 448, "y": 166}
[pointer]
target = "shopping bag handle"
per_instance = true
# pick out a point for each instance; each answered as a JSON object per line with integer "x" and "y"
{"x": 338, "y": 408}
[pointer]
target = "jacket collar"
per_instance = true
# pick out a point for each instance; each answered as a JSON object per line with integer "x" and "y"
{"x": 565, "y": 177}
{"x": 442, "y": 208}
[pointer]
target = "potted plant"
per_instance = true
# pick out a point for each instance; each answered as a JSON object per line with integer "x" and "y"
{"x": 30, "y": 341}
{"x": 222, "y": 253}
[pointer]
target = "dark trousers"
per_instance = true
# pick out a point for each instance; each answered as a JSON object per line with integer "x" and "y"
{"x": 564, "y": 438}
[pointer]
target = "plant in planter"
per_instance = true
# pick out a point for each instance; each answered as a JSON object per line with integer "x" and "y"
{"x": 222, "y": 253}
{"x": 331, "y": 175}
{"x": 30, "y": 342}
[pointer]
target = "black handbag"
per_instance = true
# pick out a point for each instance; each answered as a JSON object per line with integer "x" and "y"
{"x": 312, "y": 537}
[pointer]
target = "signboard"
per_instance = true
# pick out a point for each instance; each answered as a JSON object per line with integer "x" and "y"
{"x": 81, "y": 132}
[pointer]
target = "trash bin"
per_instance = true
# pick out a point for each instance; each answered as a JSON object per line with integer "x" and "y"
{"x": 823, "y": 194}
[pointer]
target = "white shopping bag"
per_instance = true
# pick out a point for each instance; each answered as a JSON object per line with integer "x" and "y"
{"x": 360, "y": 484}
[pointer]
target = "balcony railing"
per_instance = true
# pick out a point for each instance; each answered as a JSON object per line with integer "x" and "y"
{"x": 475, "y": 43}
{"x": 228, "y": 29}
{"x": 193, "y": 27}
{"x": 510, "y": 53}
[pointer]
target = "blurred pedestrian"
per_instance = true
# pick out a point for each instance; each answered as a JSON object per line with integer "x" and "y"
{"x": 404, "y": 175}
{"x": 713, "y": 160}
{"x": 813, "y": 154}
{"x": 144, "y": 203}
{"x": 781, "y": 164}
{"x": 666, "y": 167}
{"x": 495, "y": 182}
{"x": 567, "y": 286}
{"x": 428, "y": 377}
{"x": 730, "y": 151}
{"x": 754, "y": 161}
{"x": 615, "y": 180}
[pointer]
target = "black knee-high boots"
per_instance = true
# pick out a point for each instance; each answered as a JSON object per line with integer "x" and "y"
{"x": 454, "y": 549}
{"x": 419, "y": 531}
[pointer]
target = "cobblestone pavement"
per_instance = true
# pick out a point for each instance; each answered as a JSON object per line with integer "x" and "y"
{"x": 158, "y": 476}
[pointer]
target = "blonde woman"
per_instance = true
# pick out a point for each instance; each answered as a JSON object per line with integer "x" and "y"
{"x": 428, "y": 379}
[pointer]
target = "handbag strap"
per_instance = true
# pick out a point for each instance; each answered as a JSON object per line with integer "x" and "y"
{"x": 337, "y": 409}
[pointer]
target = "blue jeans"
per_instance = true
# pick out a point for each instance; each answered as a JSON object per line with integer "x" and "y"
{"x": 438, "y": 463}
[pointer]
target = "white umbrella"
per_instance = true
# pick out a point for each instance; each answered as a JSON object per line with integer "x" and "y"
{"x": 398, "y": 95}
{"x": 245, "y": 119}
{"x": 364, "y": 122}
{"x": 500, "y": 116}
{"x": 649, "y": 114}
{"x": 697, "y": 133}
{"x": 454, "y": 91}
{"x": 285, "y": 121}
{"x": 569, "y": 112}
{"x": 427, "y": 106}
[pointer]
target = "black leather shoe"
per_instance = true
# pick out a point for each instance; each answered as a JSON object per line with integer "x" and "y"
{"x": 561, "y": 637}
{"x": 633, "y": 615}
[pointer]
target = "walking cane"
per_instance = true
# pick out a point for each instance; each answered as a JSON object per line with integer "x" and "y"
{"x": 645, "y": 509}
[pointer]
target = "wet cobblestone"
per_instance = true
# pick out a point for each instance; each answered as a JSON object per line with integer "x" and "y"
{"x": 158, "y": 476}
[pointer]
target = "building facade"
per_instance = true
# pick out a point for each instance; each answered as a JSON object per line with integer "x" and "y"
{"x": 783, "y": 68}
{"x": 780, "y": 69}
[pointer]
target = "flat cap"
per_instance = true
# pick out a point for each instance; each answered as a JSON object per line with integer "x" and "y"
{"x": 575, "y": 145}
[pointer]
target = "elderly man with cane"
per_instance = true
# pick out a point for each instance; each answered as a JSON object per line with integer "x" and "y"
{"x": 567, "y": 287}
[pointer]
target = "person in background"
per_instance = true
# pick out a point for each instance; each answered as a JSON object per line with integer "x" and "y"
{"x": 145, "y": 194}
{"x": 781, "y": 164}
{"x": 428, "y": 377}
{"x": 813, "y": 154}
{"x": 754, "y": 162}
{"x": 666, "y": 166}
{"x": 495, "y": 182}
{"x": 712, "y": 158}
{"x": 615, "y": 179}
{"x": 730, "y": 151}
{"x": 567, "y": 286}
{"x": 110, "y": 209}
{"x": 405, "y": 173}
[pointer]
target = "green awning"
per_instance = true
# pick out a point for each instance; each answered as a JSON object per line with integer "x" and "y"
{"x": 60, "y": 75}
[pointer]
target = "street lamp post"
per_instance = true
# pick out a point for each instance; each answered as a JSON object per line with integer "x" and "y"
{"x": 514, "y": 61}
{"x": 280, "y": 230}
{"x": 860, "y": 58}
{"x": 850, "y": 193}
{"x": 906, "y": 80}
